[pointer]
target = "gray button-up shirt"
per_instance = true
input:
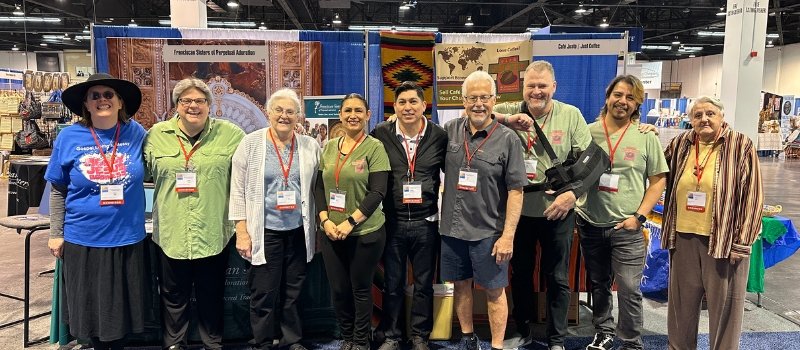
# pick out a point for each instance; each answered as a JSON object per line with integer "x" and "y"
{"x": 473, "y": 216}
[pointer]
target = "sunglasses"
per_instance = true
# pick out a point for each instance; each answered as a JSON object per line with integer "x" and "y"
{"x": 106, "y": 95}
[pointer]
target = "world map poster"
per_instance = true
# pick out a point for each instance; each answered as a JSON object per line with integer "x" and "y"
{"x": 506, "y": 62}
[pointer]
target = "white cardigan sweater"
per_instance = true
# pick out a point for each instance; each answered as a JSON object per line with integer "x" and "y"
{"x": 247, "y": 189}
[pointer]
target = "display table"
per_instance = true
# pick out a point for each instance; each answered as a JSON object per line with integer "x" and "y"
{"x": 778, "y": 241}
{"x": 25, "y": 184}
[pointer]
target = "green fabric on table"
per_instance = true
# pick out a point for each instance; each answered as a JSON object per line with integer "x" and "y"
{"x": 772, "y": 229}
{"x": 755, "y": 279}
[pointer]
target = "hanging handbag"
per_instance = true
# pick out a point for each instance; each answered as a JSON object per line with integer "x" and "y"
{"x": 31, "y": 137}
{"x": 30, "y": 108}
{"x": 578, "y": 173}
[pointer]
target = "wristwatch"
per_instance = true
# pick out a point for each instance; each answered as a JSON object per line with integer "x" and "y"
{"x": 642, "y": 219}
{"x": 352, "y": 221}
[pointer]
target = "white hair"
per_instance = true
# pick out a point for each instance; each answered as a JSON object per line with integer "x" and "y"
{"x": 475, "y": 77}
{"x": 288, "y": 94}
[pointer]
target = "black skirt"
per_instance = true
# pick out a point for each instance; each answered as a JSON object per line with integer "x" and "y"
{"x": 105, "y": 290}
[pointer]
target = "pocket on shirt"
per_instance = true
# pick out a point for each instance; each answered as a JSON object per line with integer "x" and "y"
{"x": 217, "y": 163}
{"x": 491, "y": 159}
{"x": 165, "y": 162}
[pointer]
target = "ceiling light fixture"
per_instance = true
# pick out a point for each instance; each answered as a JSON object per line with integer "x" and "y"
{"x": 676, "y": 41}
{"x": 580, "y": 9}
{"x": 336, "y": 19}
{"x": 29, "y": 19}
{"x": 770, "y": 44}
{"x": 86, "y": 29}
{"x": 133, "y": 23}
{"x": 532, "y": 29}
{"x": 18, "y": 11}
{"x": 262, "y": 26}
{"x": 604, "y": 24}
{"x": 15, "y": 48}
{"x": 692, "y": 56}
{"x": 393, "y": 28}
{"x": 721, "y": 12}
{"x": 109, "y": 20}
{"x": 233, "y": 4}
{"x": 249, "y": 24}
{"x": 43, "y": 44}
{"x": 707, "y": 33}
{"x": 469, "y": 22}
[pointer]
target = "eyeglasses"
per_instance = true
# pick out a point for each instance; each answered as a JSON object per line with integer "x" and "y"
{"x": 287, "y": 112}
{"x": 188, "y": 101}
{"x": 105, "y": 94}
{"x": 474, "y": 99}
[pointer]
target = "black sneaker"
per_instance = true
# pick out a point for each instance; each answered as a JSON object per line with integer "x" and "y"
{"x": 297, "y": 346}
{"x": 602, "y": 341}
{"x": 470, "y": 343}
{"x": 418, "y": 343}
{"x": 390, "y": 344}
{"x": 346, "y": 345}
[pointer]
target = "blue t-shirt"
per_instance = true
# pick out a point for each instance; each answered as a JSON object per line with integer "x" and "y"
{"x": 77, "y": 165}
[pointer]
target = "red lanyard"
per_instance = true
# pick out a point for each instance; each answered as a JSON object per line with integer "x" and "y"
{"x": 338, "y": 169}
{"x": 699, "y": 168}
{"x": 187, "y": 156}
{"x": 469, "y": 155}
{"x": 532, "y": 139}
{"x": 412, "y": 160}
{"x": 110, "y": 165}
{"x": 611, "y": 150}
{"x": 280, "y": 159}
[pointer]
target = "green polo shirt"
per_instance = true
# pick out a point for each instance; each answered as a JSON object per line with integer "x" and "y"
{"x": 191, "y": 225}
{"x": 637, "y": 157}
{"x": 368, "y": 157}
{"x": 565, "y": 129}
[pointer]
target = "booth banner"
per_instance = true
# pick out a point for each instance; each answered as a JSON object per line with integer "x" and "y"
{"x": 787, "y": 112}
{"x": 651, "y": 75}
{"x": 406, "y": 57}
{"x": 505, "y": 61}
{"x": 236, "y": 71}
{"x": 579, "y": 47}
{"x": 321, "y": 120}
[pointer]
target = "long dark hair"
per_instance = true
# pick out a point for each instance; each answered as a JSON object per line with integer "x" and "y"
{"x": 356, "y": 96}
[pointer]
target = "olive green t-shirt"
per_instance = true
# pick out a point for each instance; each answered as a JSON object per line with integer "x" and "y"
{"x": 565, "y": 129}
{"x": 368, "y": 157}
{"x": 637, "y": 157}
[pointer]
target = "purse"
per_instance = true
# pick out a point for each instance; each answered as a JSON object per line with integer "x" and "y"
{"x": 31, "y": 137}
{"x": 579, "y": 173}
{"x": 30, "y": 108}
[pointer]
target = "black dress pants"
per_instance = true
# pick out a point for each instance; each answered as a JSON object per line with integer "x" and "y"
{"x": 350, "y": 266}
{"x": 555, "y": 238}
{"x": 275, "y": 289}
{"x": 207, "y": 277}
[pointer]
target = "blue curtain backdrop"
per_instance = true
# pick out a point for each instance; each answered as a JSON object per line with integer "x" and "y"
{"x": 103, "y": 32}
{"x": 342, "y": 61}
{"x": 581, "y": 80}
{"x": 375, "y": 76}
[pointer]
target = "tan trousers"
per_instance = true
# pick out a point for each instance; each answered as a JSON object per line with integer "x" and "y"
{"x": 694, "y": 273}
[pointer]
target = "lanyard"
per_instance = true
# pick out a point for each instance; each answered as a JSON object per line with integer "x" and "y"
{"x": 533, "y": 138}
{"x": 698, "y": 167}
{"x": 412, "y": 160}
{"x": 469, "y": 155}
{"x": 187, "y": 156}
{"x": 611, "y": 150}
{"x": 338, "y": 169}
{"x": 280, "y": 159}
{"x": 110, "y": 164}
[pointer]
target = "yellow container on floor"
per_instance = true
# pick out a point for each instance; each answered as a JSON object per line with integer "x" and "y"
{"x": 442, "y": 311}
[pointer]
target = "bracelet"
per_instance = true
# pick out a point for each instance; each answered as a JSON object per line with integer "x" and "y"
{"x": 324, "y": 221}
{"x": 352, "y": 221}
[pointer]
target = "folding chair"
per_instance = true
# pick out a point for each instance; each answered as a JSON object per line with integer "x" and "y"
{"x": 32, "y": 223}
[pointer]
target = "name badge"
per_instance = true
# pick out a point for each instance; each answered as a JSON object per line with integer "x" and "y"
{"x": 287, "y": 200}
{"x": 186, "y": 182}
{"x": 696, "y": 202}
{"x": 530, "y": 168}
{"x": 111, "y": 195}
{"x": 468, "y": 180}
{"x": 609, "y": 182}
{"x": 412, "y": 193}
{"x": 337, "y": 200}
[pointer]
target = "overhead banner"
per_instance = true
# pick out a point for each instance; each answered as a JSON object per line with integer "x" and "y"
{"x": 215, "y": 53}
{"x": 578, "y": 47}
{"x": 651, "y": 75}
{"x": 506, "y": 62}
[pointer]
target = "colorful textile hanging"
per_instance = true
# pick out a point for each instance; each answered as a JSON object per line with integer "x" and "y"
{"x": 406, "y": 57}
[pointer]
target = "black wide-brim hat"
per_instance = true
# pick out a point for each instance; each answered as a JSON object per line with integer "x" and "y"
{"x": 74, "y": 96}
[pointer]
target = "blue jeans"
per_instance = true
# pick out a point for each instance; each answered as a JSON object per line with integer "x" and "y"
{"x": 615, "y": 256}
{"x": 417, "y": 242}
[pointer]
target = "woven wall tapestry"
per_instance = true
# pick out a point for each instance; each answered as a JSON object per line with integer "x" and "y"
{"x": 406, "y": 57}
